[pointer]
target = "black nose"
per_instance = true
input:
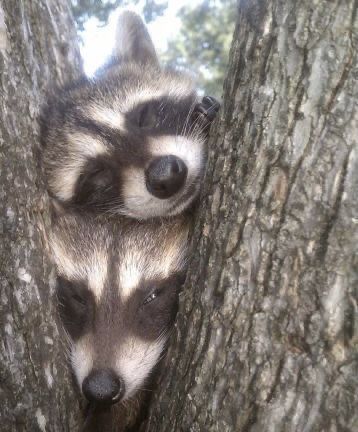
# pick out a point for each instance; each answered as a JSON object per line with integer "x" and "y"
{"x": 165, "y": 176}
{"x": 103, "y": 386}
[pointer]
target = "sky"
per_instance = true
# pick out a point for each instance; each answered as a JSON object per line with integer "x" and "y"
{"x": 98, "y": 40}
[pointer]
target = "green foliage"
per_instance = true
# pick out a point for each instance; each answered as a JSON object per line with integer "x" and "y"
{"x": 204, "y": 42}
{"x": 152, "y": 9}
{"x": 84, "y": 9}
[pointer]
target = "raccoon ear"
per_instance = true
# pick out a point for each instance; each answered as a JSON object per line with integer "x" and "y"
{"x": 133, "y": 42}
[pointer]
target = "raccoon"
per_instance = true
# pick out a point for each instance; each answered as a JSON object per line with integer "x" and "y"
{"x": 117, "y": 289}
{"x": 131, "y": 140}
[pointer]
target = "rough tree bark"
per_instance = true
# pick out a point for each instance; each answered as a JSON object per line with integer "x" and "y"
{"x": 36, "y": 50}
{"x": 267, "y": 330}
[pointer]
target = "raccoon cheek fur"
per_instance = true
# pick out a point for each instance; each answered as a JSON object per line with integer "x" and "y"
{"x": 131, "y": 140}
{"x": 117, "y": 293}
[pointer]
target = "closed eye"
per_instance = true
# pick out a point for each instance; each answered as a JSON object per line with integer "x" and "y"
{"x": 142, "y": 116}
{"x": 148, "y": 116}
{"x": 76, "y": 306}
{"x": 79, "y": 299}
{"x": 151, "y": 297}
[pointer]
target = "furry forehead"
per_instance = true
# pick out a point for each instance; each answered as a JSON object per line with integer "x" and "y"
{"x": 86, "y": 248}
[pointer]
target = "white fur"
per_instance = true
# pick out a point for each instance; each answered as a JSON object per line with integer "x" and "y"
{"x": 164, "y": 84}
{"x": 177, "y": 209}
{"x": 139, "y": 202}
{"x": 97, "y": 273}
{"x": 107, "y": 116}
{"x": 135, "y": 360}
{"x": 92, "y": 269}
{"x": 173, "y": 259}
{"x": 67, "y": 262}
{"x": 190, "y": 151}
{"x": 135, "y": 266}
{"x": 66, "y": 174}
{"x": 65, "y": 177}
{"x": 82, "y": 358}
{"x": 130, "y": 274}
{"x": 140, "y": 95}
{"x": 77, "y": 266}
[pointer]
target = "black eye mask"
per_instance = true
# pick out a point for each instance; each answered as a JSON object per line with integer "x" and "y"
{"x": 76, "y": 307}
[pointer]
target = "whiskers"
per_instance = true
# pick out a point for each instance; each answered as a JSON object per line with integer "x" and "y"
{"x": 189, "y": 127}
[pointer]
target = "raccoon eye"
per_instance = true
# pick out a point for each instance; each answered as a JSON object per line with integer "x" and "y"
{"x": 96, "y": 179}
{"x": 151, "y": 297}
{"x": 148, "y": 117}
{"x": 79, "y": 299}
{"x": 76, "y": 306}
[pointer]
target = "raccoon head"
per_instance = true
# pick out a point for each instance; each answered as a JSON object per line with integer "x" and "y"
{"x": 132, "y": 139}
{"x": 117, "y": 292}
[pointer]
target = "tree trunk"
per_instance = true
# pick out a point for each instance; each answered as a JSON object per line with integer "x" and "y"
{"x": 267, "y": 330}
{"x": 37, "y": 49}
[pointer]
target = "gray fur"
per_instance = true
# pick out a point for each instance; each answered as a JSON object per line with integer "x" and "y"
{"x": 118, "y": 289}
{"x": 95, "y": 147}
{"x": 133, "y": 43}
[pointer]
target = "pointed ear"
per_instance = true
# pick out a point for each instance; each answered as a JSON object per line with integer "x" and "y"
{"x": 133, "y": 43}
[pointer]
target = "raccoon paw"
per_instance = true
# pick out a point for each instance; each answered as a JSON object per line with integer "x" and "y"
{"x": 209, "y": 107}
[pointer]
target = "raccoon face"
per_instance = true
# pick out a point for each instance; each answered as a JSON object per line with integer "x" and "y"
{"x": 117, "y": 292}
{"x": 130, "y": 141}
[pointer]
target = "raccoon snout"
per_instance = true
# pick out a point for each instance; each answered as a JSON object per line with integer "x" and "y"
{"x": 103, "y": 386}
{"x": 165, "y": 176}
